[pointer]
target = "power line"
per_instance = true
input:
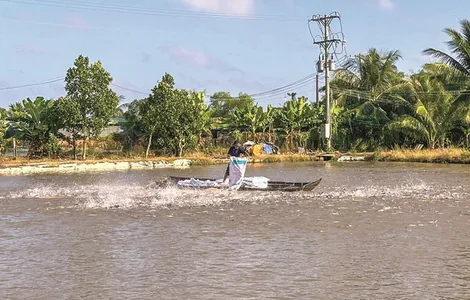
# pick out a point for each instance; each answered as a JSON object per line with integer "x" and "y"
{"x": 274, "y": 92}
{"x": 260, "y": 95}
{"x": 130, "y": 90}
{"x": 91, "y": 26}
{"x": 32, "y": 84}
{"x": 115, "y": 29}
{"x": 126, "y": 9}
{"x": 300, "y": 81}
{"x": 353, "y": 92}
{"x": 283, "y": 92}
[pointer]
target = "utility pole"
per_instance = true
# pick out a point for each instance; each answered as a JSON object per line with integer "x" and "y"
{"x": 327, "y": 41}
{"x": 317, "y": 90}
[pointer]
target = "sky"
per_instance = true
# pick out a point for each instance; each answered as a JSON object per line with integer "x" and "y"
{"x": 249, "y": 46}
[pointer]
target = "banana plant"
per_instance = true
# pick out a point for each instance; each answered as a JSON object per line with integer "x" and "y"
{"x": 251, "y": 117}
{"x": 294, "y": 116}
{"x": 34, "y": 123}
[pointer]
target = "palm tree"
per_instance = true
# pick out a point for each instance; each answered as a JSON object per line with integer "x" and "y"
{"x": 459, "y": 45}
{"x": 435, "y": 111}
{"x": 368, "y": 82}
{"x": 365, "y": 91}
{"x": 456, "y": 65}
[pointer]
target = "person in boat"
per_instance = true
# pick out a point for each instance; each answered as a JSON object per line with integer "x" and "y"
{"x": 236, "y": 150}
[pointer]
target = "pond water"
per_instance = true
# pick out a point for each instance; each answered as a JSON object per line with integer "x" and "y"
{"x": 368, "y": 231}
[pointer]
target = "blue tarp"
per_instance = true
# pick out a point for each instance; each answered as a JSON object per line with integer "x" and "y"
{"x": 267, "y": 149}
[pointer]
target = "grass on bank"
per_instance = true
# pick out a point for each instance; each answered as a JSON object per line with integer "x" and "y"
{"x": 196, "y": 159}
{"x": 444, "y": 155}
{"x": 447, "y": 155}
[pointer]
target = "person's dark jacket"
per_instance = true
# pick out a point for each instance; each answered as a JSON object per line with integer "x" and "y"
{"x": 236, "y": 151}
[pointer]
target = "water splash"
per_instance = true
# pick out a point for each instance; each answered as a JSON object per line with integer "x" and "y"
{"x": 125, "y": 196}
{"x": 418, "y": 189}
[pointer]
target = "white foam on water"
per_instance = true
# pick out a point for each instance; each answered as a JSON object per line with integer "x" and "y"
{"x": 125, "y": 196}
{"x": 130, "y": 196}
{"x": 418, "y": 190}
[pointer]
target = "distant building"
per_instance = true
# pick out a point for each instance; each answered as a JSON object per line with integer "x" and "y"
{"x": 114, "y": 126}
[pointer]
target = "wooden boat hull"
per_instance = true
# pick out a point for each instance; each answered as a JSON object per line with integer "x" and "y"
{"x": 272, "y": 185}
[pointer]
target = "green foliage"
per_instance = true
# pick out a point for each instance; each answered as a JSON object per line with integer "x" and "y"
{"x": 236, "y": 135}
{"x": 374, "y": 106}
{"x": 53, "y": 147}
{"x": 177, "y": 118}
{"x": 294, "y": 117}
{"x": 3, "y": 129}
{"x": 151, "y": 108}
{"x": 33, "y": 122}
{"x": 434, "y": 113}
{"x": 133, "y": 126}
{"x": 249, "y": 117}
{"x": 90, "y": 103}
{"x": 223, "y": 104}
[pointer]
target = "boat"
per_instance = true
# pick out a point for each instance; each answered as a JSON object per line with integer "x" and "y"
{"x": 207, "y": 183}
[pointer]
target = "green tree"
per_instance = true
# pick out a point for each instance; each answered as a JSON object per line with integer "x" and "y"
{"x": 223, "y": 104}
{"x": 33, "y": 122}
{"x": 435, "y": 111}
{"x": 133, "y": 122}
{"x": 297, "y": 116}
{"x": 456, "y": 65}
{"x": 122, "y": 108}
{"x": 271, "y": 116}
{"x": 204, "y": 120}
{"x": 190, "y": 121}
{"x": 176, "y": 117}
{"x": 90, "y": 102}
{"x": 459, "y": 45}
{"x": 70, "y": 116}
{"x": 3, "y": 128}
{"x": 368, "y": 91}
{"x": 249, "y": 117}
{"x": 152, "y": 107}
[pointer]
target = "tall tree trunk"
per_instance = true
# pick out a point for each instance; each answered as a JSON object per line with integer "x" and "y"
{"x": 148, "y": 145}
{"x": 84, "y": 148}
{"x": 179, "y": 148}
{"x": 85, "y": 140}
{"x": 14, "y": 148}
{"x": 74, "y": 148}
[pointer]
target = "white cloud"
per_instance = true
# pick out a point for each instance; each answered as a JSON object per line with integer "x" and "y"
{"x": 386, "y": 4}
{"x": 230, "y": 7}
